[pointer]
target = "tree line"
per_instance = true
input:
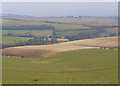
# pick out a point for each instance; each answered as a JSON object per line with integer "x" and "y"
{"x": 89, "y": 34}
{"x": 28, "y": 27}
{"x": 43, "y": 40}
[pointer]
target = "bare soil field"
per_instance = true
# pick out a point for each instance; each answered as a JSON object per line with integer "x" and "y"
{"x": 37, "y": 51}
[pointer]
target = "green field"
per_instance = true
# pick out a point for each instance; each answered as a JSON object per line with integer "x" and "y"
{"x": 87, "y": 66}
{"x": 28, "y": 32}
{"x": 7, "y": 40}
{"x": 57, "y": 26}
{"x": 68, "y": 28}
{"x": 62, "y": 27}
{"x": 94, "y": 21}
{"x": 13, "y": 40}
{"x": 71, "y": 32}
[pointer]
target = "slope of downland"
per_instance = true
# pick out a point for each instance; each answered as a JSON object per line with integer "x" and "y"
{"x": 87, "y": 66}
{"x": 47, "y": 50}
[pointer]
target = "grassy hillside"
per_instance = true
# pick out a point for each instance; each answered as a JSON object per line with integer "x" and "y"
{"x": 88, "y": 66}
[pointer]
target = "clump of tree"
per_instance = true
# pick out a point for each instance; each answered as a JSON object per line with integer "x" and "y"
{"x": 43, "y": 40}
{"x": 95, "y": 34}
{"x": 82, "y": 35}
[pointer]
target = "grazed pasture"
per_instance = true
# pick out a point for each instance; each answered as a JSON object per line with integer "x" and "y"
{"x": 87, "y": 66}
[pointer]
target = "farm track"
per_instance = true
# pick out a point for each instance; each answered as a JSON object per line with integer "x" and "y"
{"x": 48, "y": 50}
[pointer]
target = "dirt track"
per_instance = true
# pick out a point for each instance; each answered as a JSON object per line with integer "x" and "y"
{"x": 47, "y": 50}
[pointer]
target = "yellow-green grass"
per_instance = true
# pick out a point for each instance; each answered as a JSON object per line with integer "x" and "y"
{"x": 28, "y": 32}
{"x": 71, "y": 32}
{"x": 87, "y": 66}
{"x": 13, "y": 40}
{"x": 57, "y": 26}
{"x": 44, "y": 32}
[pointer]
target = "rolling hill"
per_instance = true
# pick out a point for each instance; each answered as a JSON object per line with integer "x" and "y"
{"x": 37, "y": 51}
{"x": 87, "y": 66}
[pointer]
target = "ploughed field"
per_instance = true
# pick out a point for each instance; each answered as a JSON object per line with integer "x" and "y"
{"x": 86, "y": 66}
{"x": 37, "y": 51}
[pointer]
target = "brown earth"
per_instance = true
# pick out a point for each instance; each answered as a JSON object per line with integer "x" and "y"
{"x": 47, "y": 50}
